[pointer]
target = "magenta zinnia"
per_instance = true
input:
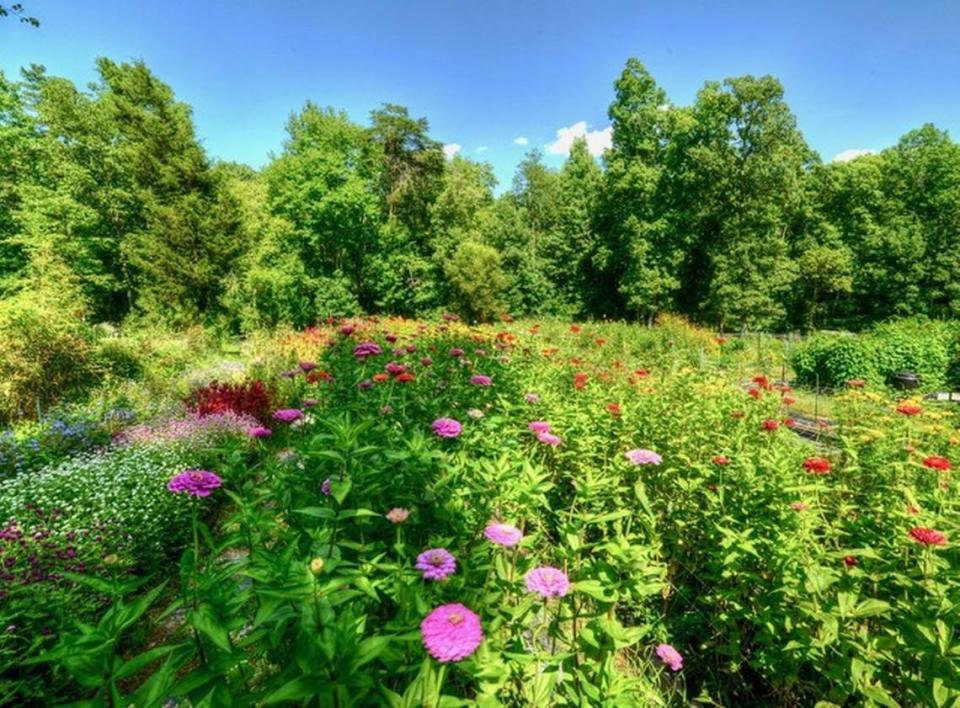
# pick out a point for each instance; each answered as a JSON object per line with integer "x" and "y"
{"x": 539, "y": 426}
{"x": 446, "y": 427}
{"x": 548, "y": 582}
{"x": 481, "y": 380}
{"x": 260, "y": 432}
{"x": 196, "y": 483}
{"x": 503, "y": 534}
{"x": 548, "y": 439}
{"x": 436, "y": 564}
{"x": 287, "y": 415}
{"x": 643, "y": 457}
{"x": 451, "y": 632}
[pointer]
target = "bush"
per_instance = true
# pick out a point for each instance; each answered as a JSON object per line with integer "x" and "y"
{"x": 251, "y": 398}
{"x": 927, "y": 348}
{"x": 831, "y": 360}
{"x": 46, "y": 356}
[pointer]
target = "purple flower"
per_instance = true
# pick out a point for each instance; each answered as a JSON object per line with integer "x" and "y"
{"x": 366, "y": 383}
{"x": 503, "y": 534}
{"x": 548, "y": 439}
{"x": 436, "y": 564}
{"x": 411, "y": 348}
{"x": 287, "y": 415}
{"x": 325, "y": 487}
{"x": 643, "y": 457}
{"x": 481, "y": 380}
{"x": 289, "y": 374}
{"x": 395, "y": 368}
{"x": 362, "y": 351}
{"x": 260, "y": 432}
{"x": 548, "y": 582}
{"x": 196, "y": 483}
{"x": 346, "y": 330}
{"x": 456, "y": 352}
{"x": 307, "y": 366}
{"x": 309, "y": 402}
{"x": 539, "y": 426}
{"x": 669, "y": 656}
{"x": 446, "y": 428}
{"x": 532, "y": 398}
{"x": 451, "y": 632}
{"x": 426, "y": 361}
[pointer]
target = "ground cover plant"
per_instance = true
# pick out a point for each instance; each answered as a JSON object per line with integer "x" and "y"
{"x": 538, "y": 514}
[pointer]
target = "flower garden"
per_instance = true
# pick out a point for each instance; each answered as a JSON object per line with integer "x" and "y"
{"x": 411, "y": 513}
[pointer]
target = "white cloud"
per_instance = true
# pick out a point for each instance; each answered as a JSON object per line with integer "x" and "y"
{"x": 852, "y": 154}
{"x": 482, "y": 148}
{"x": 521, "y": 141}
{"x": 597, "y": 140}
{"x": 451, "y": 149}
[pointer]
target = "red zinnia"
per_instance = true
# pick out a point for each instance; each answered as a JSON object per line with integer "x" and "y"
{"x": 755, "y": 392}
{"x": 936, "y": 462}
{"x": 849, "y": 561}
{"x": 928, "y": 537}
{"x": 909, "y": 409}
{"x": 770, "y": 424}
{"x": 737, "y": 414}
{"x": 817, "y": 465}
{"x": 789, "y": 422}
{"x": 789, "y": 400}
{"x": 721, "y": 460}
{"x": 405, "y": 377}
{"x": 762, "y": 381}
{"x": 614, "y": 409}
{"x": 579, "y": 380}
{"x": 575, "y": 329}
{"x": 380, "y": 377}
{"x": 720, "y": 339}
{"x": 641, "y": 373}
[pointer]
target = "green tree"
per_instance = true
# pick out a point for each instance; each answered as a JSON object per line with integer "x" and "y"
{"x": 746, "y": 163}
{"x": 477, "y": 280}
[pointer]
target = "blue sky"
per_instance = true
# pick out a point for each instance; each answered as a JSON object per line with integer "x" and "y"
{"x": 485, "y": 73}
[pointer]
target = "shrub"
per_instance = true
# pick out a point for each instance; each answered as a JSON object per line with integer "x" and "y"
{"x": 46, "y": 356}
{"x": 251, "y": 398}
{"x": 917, "y": 345}
{"x": 831, "y": 360}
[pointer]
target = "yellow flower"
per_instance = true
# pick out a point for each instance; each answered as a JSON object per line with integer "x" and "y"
{"x": 316, "y": 566}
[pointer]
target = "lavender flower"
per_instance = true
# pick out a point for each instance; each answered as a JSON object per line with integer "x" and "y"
{"x": 643, "y": 457}
{"x": 287, "y": 415}
{"x": 446, "y": 427}
{"x": 436, "y": 564}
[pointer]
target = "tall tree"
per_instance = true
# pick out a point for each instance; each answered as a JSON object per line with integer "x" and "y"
{"x": 748, "y": 160}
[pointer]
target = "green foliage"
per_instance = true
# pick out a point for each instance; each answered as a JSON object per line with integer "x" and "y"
{"x": 475, "y": 275}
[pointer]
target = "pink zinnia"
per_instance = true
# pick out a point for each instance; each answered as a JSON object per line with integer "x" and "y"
{"x": 669, "y": 656}
{"x": 196, "y": 483}
{"x": 456, "y": 351}
{"x": 928, "y": 537}
{"x": 531, "y": 398}
{"x": 451, "y": 632}
{"x": 481, "y": 380}
{"x": 548, "y": 582}
{"x": 447, "y": 427}
{"x": 260, "y": 432}
{"x": 548, "y": 439}
{"x": 799, "y": 506}
{"x": 643, "y": 457}
{"x": 503, "y": 534}
{"x": 539, "y": 426}
{"x": 398, "y": 515}
{"x": 395, "y": 368}
{"x": 309, "y": 402}
{"x": 436, "y": 564}
{"x": 287, "y": 415}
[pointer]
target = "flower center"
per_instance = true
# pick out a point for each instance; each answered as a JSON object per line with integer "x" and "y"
{"x": 436, "y": 559}
{"x": 455, "y": 618}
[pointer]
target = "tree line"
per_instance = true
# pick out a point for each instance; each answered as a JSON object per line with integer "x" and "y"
{"x": 719, "y": 211}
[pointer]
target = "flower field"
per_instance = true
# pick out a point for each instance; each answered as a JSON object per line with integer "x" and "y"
{"x": 411, "y": 513}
